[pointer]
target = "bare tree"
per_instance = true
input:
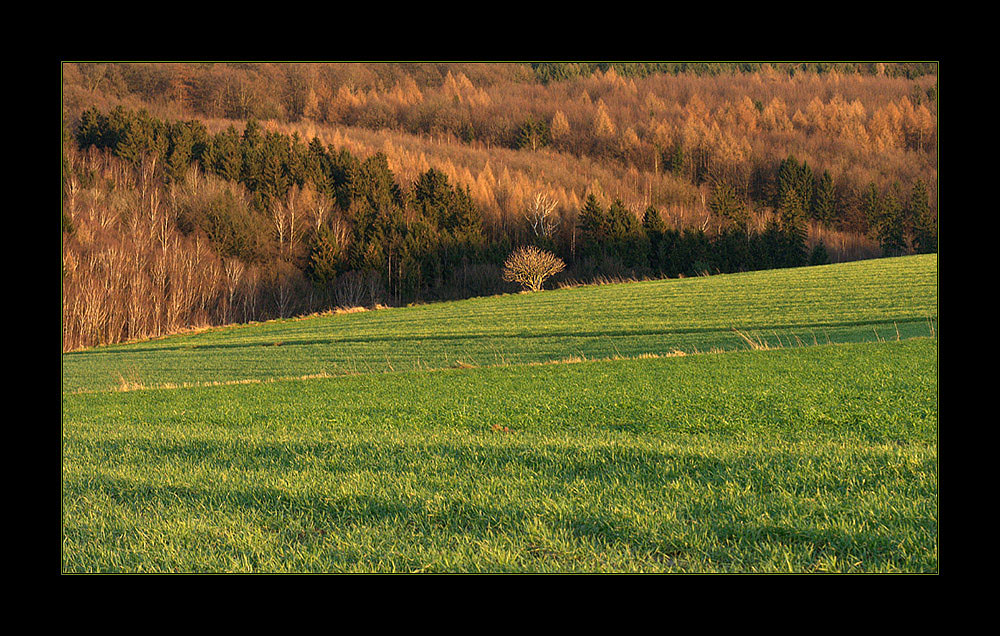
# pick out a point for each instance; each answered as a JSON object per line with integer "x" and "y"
{"x": 318, "y": 209}
{"x": 72, "y": 186}
{"x": 531, "y": 267}
{"x": 234, "y": 275}
{"x": 292, "y": 213}
{"x": 277, "y": 211}
{"x": 540, "y": 215}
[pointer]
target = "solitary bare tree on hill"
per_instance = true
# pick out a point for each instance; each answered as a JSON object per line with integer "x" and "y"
{"x": 531, "y": 267}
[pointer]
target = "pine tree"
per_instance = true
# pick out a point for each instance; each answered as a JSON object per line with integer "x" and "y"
{"x": 318, "y": 169}
{"x": 792, "y": 216}
{"x": 654, "y": 229}
{"x": 464, "y": 219}
{"x": 621, "y": 222}
{"x": 819, "y": 255}
{"x": 918, "y": 205}
{"x": 252, "y": 133}
{"x": 374, "y": 184}
{"x": 675, "y": 160}
{"x": 787, "y": 179}
{"x": 806, "y": 185}
{"x": 871, "y": 208}
{"x": 792, "y": 176}
{"x": 824, "y": 208}
{"x": 652, "y": 222}
{"x": 726, "y": 204}
{"x": 593, "y": 222}
{"x": 891, "y": 234}
{"x": 791, "y": 212}
{"x": 91, "y": 128}
{"x": 533, "y": 134}
{"x": 180, "y": 152}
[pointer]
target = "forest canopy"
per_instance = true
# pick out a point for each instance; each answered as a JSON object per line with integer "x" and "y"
{"x": 209, "y": 193}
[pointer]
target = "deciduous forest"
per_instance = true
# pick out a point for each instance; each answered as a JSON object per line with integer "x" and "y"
{"x": 214, "y": 193}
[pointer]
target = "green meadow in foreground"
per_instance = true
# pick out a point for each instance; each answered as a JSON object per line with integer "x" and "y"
{"x": 808, "y": 457}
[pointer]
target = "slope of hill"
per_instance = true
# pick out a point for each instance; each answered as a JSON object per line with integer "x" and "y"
{"x": 865, "y": 300}
{"x": 802, "y": 458}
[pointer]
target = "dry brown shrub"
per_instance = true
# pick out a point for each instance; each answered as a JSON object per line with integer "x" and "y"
{"x": 531, "y": 267}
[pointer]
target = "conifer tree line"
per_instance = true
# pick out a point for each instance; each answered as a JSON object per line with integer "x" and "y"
{"x": 628, "y": 112}
{"x": 269, "y": 190}
{"x": 255, "y": 224}
{"x": 649, "y": 133}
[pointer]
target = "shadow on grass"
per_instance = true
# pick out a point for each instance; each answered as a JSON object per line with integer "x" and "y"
{"x": 809, "y": 331}
{"x": 575, "y": 538}
{"x": 540, "y": 511}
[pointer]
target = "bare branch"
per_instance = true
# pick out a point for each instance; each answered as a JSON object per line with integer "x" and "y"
{"x": 540, "y": 215}
{"x": 531, "y": 267}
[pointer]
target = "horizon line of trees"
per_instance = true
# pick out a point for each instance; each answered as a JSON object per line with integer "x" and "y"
{"x": 614, "y": 112}
{"x": 560, "y": 71}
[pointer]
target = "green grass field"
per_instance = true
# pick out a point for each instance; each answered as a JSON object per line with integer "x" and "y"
{"x": 422, "y": 439}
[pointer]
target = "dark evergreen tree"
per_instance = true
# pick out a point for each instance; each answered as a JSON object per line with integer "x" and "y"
{"x": 374, "y": 184}
{"x": 446, "y": 208}
{"x": 791, "y": 212}
{"x": 620, "y": 222}
{"x": 297, "y": 161}
{"x": 806, "y": 185}
{"x": 787, "y": 179}
{"x": 691, "y": 254}
{"x": 252, "y": 157}
{"x": 767, "y": 247}
{"x": 253, "y": 133}
{"x": 654, "y": 227}
{"x": 273, "y": 178}
{"x": 819, "y": 255}
{"x": 726, "y": 204}
{"x": 318, "y": 168}
{"x": 90, "y": 130}
{"x": 326, "y": 258}
{"x": 871, "y": 208}
{"x": 223, "y": 155}
{"x": 730, "y": 251}
{"x": 653, "y": 223}
{"x": 138, "y": 136}
{"x": 180, "y": 152}
{"x": 892, "y": 226}
{"x": 594, "y": 228}
{"x": 533, "y": 134}
{"x": 794, "y": 229}
{"x": 675, "y": 161}
{"x": 917, "y": 206}
{"x": 824, "y": 205}
{"x": 795, "y": 177}
{"x": 464, "y": 219}
{"x": 664, "y": 253}
{"x": 342, "y": 173}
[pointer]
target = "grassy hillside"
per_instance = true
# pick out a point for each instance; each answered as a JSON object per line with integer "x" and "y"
{"x": 818, "y": 459}
{"x": 847, "y": 302}
{"x": 812, "y": 458}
